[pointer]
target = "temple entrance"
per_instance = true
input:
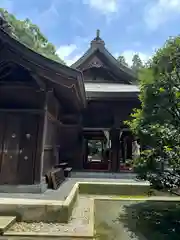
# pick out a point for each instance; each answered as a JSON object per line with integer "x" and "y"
{"x": 108, "y": 151}
{"x": 97, "y": 153}
{"x": 17, "y": 148}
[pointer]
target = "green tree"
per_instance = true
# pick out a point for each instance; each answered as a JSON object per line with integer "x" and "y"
{"x": 157, "y": 123}
{"x": 136, "y": 63}
{"x": 30, "y": 35}
{"x": 121, "y": 59}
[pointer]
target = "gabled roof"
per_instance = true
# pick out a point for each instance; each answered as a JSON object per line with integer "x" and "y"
{"x": 56, "y": 73}
{"x": 98, "y": 46}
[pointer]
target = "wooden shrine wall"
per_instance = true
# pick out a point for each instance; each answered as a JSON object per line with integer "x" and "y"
{"x": 21, "y": 110}
{"x": 18, "y": 142}
{"x": 71, "y": 145}
{"x": 108, "y": 113}
{"x": 21, "y": 97}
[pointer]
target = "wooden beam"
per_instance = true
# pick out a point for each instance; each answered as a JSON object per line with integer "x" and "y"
{"x": 53, "y": 119}
{"x": 17, "y": 85}
{"x": 41, "y": 83}
{"x": 41, "y": 138}
{"x": 17, "y": 110}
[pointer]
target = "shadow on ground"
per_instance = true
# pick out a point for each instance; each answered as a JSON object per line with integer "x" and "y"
{"x": 152, "y": 220}
{"x": 140, "y": 220}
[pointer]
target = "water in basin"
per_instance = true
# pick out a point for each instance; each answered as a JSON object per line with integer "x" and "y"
{"x": 137, "y": 220}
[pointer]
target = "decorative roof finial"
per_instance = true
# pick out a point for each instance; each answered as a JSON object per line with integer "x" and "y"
{"x": 97, "y": 41}
{"x": 98, "y": 33}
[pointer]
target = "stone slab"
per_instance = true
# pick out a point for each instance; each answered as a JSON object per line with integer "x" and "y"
{"x": 6, "y": 222}
{"x": 34, "y": 189}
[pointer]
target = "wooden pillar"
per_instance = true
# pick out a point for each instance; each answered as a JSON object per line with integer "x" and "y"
{"x": 129, "y": 147}
{"x": 115, "y": 146}
{"x": 126, "y": 145}
{"x": 79, "y": 158}
{"x": 85, "y": 152}
{"x": 38, "y": 166}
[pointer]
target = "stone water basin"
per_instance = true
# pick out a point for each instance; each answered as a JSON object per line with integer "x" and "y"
{"x": 137, "y": 220}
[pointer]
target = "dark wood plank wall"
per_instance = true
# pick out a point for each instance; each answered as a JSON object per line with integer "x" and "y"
{"x": 21, "y": 97}
{"x": 27, "y": 148}
{"x": 21, "y": 121}
{"x": 71, "y": 145}
{"x": 108, "y": 113}
{"x": 18, "y": 138}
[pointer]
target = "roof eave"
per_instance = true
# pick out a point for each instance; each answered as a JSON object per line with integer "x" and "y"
{"x": 111, "y": 95}
{"x": 40, "y": 62}
{"x": 36, "y": 57}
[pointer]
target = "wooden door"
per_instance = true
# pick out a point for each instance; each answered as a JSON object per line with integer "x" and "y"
{"x": 18, "y": 135}
{"x": 10, "y": 149}
{"x": 27, "y": 149}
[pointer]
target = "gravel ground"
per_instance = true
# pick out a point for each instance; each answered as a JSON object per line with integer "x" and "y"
{"x": 79, "y": 221}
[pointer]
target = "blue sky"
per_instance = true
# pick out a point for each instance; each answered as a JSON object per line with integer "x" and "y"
{"x": 127, "y": 26}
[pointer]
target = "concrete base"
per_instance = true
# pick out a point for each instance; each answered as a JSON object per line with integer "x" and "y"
{"x": 35, "y": 188}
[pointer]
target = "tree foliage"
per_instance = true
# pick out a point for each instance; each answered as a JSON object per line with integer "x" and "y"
{"x": 30, "y": 35}
{"x": 157, "y": 123}
{"x": 137, "y": 63}
{"x": 121, "y": 59}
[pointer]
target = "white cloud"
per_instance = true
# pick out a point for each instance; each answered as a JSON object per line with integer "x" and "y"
{"x": 72, "y": 60}
{"x": 66, "y": 53}
{"x": 104, "y": 6}
{"x": 116, "y": 55}
{"x": 128, "y": 54}
{"x": 66, "y": 50}
{"x": 160, "y": 12}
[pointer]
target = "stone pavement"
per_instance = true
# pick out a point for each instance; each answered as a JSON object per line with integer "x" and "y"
{"x": 104, "y": 175}
{"x": 68, "y": 184}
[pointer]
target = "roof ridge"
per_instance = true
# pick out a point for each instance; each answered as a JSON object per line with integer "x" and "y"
{"x": 7, "y": 37}
{"x": 119, "y": 63}
{"x": 83, "y": 56}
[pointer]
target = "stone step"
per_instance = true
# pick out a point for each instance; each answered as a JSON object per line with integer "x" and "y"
{"x": 6, "y": 222}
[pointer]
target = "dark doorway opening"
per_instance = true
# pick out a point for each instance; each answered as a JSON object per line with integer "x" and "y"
{"x": 97, "y": 153}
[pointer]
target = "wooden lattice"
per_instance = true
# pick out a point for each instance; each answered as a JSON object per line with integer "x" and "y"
{"x": 57, "y": 177}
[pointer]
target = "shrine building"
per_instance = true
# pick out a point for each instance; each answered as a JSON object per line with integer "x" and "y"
{"x": 51, "y": 113}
